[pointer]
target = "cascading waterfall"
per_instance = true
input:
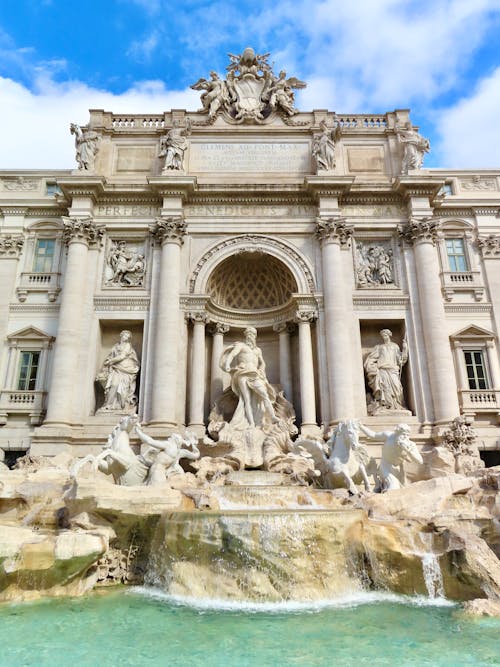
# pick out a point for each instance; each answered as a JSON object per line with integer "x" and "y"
{"x": 263, "y": 556}
{"x": 430, "y": 567}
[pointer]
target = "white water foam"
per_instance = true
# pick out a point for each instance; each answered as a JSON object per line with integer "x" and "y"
{"x": 346, "y": 601}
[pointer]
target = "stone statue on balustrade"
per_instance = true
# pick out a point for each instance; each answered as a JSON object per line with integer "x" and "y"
{"x": 414, "y": 147}
{"x": 374, "y": 265}
{"x": 118, "y": 376}
{"x": 173, "y": 145}
{"x": 383, "y": 366}
{"x": 251, "y": 418}
{"x": 86, "y": 145}
{"x": 125, "y": 267}
{"x": 323, "y": 148}
{"x": 153, "y": 468}
{"x": 396, "y": 450}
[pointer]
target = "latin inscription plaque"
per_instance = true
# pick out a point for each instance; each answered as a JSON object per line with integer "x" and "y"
{"x": 227, "y": 157}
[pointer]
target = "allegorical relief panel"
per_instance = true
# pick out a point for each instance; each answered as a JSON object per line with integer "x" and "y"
{"x": 125, "y": 264}
{"x": 374, "y": 264}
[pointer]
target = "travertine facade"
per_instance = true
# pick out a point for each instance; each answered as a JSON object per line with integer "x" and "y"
{"x": 182, "y": 229}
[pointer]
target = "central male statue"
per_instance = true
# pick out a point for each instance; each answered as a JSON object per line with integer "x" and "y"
{"x": 245, "y": 363}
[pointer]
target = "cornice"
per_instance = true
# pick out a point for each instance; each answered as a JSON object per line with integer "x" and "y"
{"x": 82, "y": 186}
{"x": 103, "y": 303}
{"x": 421, "y": 185}
{"x": 173, "y": 186}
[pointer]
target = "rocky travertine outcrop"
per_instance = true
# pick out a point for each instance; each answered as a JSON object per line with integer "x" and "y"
{"x": 59, "y": 536}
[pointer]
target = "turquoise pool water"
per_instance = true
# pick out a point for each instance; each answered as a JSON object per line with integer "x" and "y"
{"x": 138, "y": 628}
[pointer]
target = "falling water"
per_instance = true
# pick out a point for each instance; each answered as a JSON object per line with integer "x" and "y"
{"x": 431, "y": 569}
{"x": 261, "y": 556}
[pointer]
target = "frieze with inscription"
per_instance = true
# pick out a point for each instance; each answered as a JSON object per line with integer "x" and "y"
{"x": 250, "y": 210}
{"x": 126, "y": 211}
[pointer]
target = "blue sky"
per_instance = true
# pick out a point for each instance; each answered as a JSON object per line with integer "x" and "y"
{"x": 441, "y": 58}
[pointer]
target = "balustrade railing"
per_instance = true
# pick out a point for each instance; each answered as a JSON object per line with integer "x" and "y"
{"x": 14, "y": 401}
{"x": 480, "y": 399}
{"x": 137, "y": 122}
{"x": 38, "y": 282}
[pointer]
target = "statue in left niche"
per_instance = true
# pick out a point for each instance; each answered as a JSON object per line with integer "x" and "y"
{"x": 86, "y": 145}
{"x": 126, "y": 267}
{"x": 118, "y": 376}
{"x": 173, "y": 145}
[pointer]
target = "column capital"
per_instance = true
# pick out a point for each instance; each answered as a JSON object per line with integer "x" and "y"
{"x": 169, "y": 230}
{"x": 11, "y": 245}
{"x": 280, "y": 327}
{"x": 420, "y": 230}
{"x": 197, "y": 317}
{"x": 81, "y": 230}
{"x": 305, "y": 316}
{"x": 334, "y": 230}
{"x": 489, "y": 245}
{"x": 219, "y": 328}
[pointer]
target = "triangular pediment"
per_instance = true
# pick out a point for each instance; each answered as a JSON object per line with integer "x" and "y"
{"x": 474, "y": 332}
{"x": 31, "y": 334}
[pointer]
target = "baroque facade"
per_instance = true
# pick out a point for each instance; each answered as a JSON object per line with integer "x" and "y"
{"x": 373, "y": 282}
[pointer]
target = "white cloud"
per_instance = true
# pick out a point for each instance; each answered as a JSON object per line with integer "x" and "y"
{"x": 143, "y": 49}
{"x": 469, "y": 131}
{"x": 36, "y": 123}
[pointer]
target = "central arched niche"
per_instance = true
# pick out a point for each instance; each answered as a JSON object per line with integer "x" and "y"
{"x": 251, "y": 281}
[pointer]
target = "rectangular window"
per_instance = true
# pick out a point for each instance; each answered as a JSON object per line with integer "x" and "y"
{"x": 476, "y": 369}
{"x": 28, "y": 369}
{"x": 455, "y": 250}
{"x": 44, "y": 255}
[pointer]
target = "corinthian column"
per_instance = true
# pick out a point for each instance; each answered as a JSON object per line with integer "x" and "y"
{"x": 423, "y": 235}
{"x": 306, "y": 370}
{"x": 169, "y": 233}
{"x": 335, "y": 238}
{"x": 197, "y": 383}
{"x": 216, "y": 372}
{"x": 10, "y": 249}
{"x": 78, "y": 234}
{"x": 285, "y": 359}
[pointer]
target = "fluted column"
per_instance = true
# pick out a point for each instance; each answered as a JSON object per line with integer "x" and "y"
{"x": 335, "y": 238}
{"x": 493, "y": 364}
{"x": 306, "y": 369}
{"x": 169, "y": 233}
{"x": 423, "y": 234}
{"x": 10, "y": 249}
{"x": 197, "y": 380}
{"x": 216, "y": 373}
{"x": 79, "y": 234}
{"x": 285, "y": 358}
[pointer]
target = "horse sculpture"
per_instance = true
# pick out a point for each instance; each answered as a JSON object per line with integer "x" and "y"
{"x": 153, "y": 468}
{"x": 118, "y": 458}
{"x": 348, "y": 460}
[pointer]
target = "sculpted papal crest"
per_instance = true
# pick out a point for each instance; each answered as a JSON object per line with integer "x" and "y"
{"x": 251, "y": 91}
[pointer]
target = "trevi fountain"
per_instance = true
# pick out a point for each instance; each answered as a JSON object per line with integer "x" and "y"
{"x": 221, "y": 468}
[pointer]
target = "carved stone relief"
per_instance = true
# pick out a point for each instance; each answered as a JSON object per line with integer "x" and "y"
{"x": 125, "y": 265}
{"x": 477, "y": 183}
{"x": 374, "y": 264}
{"x": 250, "y": 92}
{"x": 21, "y": 184}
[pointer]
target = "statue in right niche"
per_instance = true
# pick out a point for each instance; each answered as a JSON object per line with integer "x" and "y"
{"x": 383, "y": 366}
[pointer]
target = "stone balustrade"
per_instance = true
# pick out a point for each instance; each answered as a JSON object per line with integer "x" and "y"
{"x": 479, "y": 400}
{"x": 460, "y": 282}
{"x": 39, "y": 282}
{"x": 21, "y": 402}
